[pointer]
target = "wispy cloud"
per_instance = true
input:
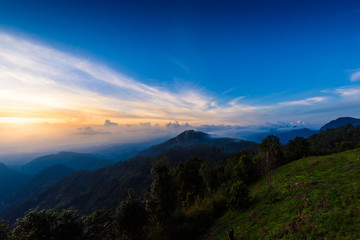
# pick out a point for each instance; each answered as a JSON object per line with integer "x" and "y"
{"x": 348, "y": 91}
{"x": 307, "y": 101}
{"x": 355, "y": 76}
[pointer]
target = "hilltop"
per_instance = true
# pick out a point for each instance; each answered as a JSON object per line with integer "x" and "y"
{"x": 192, "y": 137}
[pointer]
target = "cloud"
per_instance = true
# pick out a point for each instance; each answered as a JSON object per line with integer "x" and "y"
{"x": 177, "y": 125}
{"x": 345, "y": 92}
{"x": 35, "y": 76}
{"x": 307, "y": 101}
{"x": 355, "y": 76}
{"x": 89, "y": 131}
{"x": 109, "y": 123}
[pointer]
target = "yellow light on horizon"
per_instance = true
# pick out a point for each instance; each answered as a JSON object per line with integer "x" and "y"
{"x": 28, "y": 120}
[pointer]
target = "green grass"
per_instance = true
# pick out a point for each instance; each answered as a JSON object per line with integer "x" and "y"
{"x": 314, "y": 198}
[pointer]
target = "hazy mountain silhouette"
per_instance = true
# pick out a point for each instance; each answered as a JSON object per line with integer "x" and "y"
{"x": 10, "y": 182}
{"x": 42, "y": 180}
{"x": 340, "y": 122}
{"x": 192, "y": 137}
{"x": 75, "y": 161}
{"x": 121, "y": 152}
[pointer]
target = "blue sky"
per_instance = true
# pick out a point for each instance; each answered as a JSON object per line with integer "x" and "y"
{"x": 241, "y": 48}
{"x": 235, "y": 63}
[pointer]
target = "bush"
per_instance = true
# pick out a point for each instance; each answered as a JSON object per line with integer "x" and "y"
{"x": 4, "y": 230}
{"x": 238, "y": 196}
{"x": 49, "y": 224}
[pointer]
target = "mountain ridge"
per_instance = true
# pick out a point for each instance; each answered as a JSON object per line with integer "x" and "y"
{"x": 72, "y": 160}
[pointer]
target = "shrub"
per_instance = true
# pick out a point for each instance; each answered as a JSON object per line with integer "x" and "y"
{"x": 238, "y": 196}
{"x": 4, "y": 230}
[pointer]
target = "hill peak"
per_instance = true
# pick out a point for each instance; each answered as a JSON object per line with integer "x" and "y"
{"x": 191, "y": 134}
{"x": 340, "y": 122}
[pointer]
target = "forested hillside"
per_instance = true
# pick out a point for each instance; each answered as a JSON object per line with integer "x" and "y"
{"x": 106, "y": 187}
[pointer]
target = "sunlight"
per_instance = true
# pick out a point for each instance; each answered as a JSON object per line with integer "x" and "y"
{"x": 28, "y": 120}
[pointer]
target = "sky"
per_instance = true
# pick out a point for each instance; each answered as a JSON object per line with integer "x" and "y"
{"x": 77, "y": 73}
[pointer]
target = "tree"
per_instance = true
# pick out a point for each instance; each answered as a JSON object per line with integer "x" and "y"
{"x": 189, "y": 181}
{"x": 239, "y": 167}
{"x": 297, "y": 148}
{"x": 4, "y": 230}
{"x": 131, "y": 217}
{"x": 212, "y": 177}
{"x": 270, "y": 154}
{"x": 99, "y": 225}
{"x": 162, "y": 200}
{"x": 238, "y": 196}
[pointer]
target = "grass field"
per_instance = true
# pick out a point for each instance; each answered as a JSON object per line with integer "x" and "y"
{"x": 314, "y": 198}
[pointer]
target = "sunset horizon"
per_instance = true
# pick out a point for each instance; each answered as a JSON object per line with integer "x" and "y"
{"x": 61, "y": 86}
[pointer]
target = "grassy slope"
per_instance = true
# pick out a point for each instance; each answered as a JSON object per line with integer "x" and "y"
{"x": 316, "y": 198}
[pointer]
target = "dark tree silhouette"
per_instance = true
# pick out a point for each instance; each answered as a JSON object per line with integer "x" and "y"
{"x": 270, "y": 154}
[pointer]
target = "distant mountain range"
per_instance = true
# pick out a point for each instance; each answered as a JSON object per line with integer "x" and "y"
{"x": 287, "y": 135}
{"x": 72, "y": 160}
{"x": 42, "y": 180}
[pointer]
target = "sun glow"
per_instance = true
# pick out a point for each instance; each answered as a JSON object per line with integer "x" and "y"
{"x": 28, "y": 120}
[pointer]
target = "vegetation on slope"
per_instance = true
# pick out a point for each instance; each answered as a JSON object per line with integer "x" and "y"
{"x": 314, "y": 198}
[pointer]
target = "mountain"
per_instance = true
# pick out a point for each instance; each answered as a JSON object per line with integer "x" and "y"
{"x": 106, "y": 187}
{"x": 75, "y": 161}
{"x": 192, "y": 137}
{"x": 340, "y": 122}
{"x": 42, "y": 180}
{"x": 10, "y": 182}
